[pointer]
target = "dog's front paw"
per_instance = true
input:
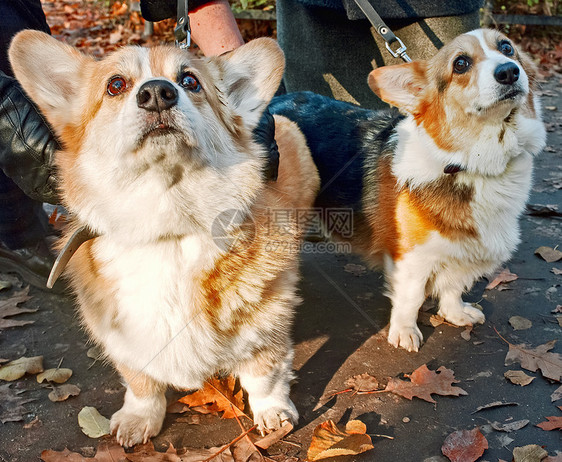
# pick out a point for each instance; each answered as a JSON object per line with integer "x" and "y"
{"x": 407, "y": 337}
{"x": 270, "y": 416}
{"x": 464, "y": 315}
{"x": 139, "y": 419}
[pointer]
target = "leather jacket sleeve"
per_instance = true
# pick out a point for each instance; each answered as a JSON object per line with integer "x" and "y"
{"x": 27, "y": 143}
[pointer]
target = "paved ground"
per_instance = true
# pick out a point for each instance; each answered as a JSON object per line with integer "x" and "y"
{"x": 340, "y": 332}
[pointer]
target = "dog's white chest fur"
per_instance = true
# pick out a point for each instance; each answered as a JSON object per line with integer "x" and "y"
{"x": 155, "y": 285}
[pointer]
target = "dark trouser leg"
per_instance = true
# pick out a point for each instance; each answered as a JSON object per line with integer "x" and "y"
{"x": 328, "y": 54}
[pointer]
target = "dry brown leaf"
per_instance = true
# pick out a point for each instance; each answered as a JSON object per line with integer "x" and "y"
{"x": 529, "y": 453}
{"x": 493, "y": 405}
{"x": 63, "y": 392}
{"x": 556, "y": 271}
{"x": 19, "y": 367}
{"x": 218, "y": 395}
{"x": 552, "y": 422}
{"x": 502, "y": 277}
{"x": 436, "y": 320}
{"x": 464, "y": 445}
{"x": 424, "y": 382}
{"x": 274, "y": 436}
{"x": 549, "y": 254}
{"x": 520, "y": 323}
{"x": 532, "y": 359}
{"x": 329, "y": 441}
{"x": 556, "y": 458}
{"x": 11, "y": 405}
{"x": 509, "y": 426}
{"x": 9, "y": 307}
{"x": 108, "y": 450}
{"x": 58, "y": 375}
{"x": 465, "y": 334}
{"x": 362, "y": 383}
{"x": 518, "y": 377}
{"x": 557, "y": 394}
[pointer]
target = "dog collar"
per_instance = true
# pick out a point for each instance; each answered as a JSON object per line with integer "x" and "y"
{"x": 82, "y": 235}
{"x": 451, "y": 169}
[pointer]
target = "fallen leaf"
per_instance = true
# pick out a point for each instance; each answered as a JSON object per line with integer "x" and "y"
{"x": 11, "y": 405}
{"x": 356, "y": 270}
{"x": 556, "y": 271}
{"x": 329, "y": 441}
{"x": 63, "y": 392}
{"x": 424, "y": 382}
{"x": 218, "y": 395}
{"x": 362, "y": 383}
{"x": 509, "y": 427}
{"x": 5, "y": 285}
{"x": 556, "y": 458}
{"x": 552, "y": 422}
{"x": 92, "y": 423}
{"x": 493, "y": 405}
{"x": 464, "y": 445}
{"x": 34, "y": 423}
{"x": 529, "y": 453}
{"x": 502, "y": 277}
{"x": 549, "y": 254}
{"x": 95, "y": 353}
{"x": 465, "y": 334}
{"x": 557, "y": 394}
{"x": 518, "y": 377}
{"x": 19, "y": 367}
{"x": 9, "y": 307}
{"x": 59, "y": 375}
{"x": 550, "y": 364}
{"x": 436, "y": 320}
{"x": 558, "y": 309}
{"x": 108, "y": 450}
{"x": 539, "y": 210}
{"x": 520, "y": 323}
{"x": 274, "y": 436}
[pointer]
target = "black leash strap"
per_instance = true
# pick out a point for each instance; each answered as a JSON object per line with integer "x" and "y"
{"x": 182, "y": 32}
{"x": 383, "y": 30}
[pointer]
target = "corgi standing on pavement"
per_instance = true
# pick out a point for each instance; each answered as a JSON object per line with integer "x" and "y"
{"x": 157, "y": 148}
{"x": 436, "y": 193}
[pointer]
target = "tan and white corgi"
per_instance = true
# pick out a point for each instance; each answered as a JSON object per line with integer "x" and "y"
{"x": 158, "y": 155}
{"x": 436, "y": 194}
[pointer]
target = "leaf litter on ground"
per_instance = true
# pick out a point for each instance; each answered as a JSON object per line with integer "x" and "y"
{"x": 552, "y": 422}
{"x": 58, "y": 375}
{"x": 549, "y": 254}
{"x": 503, "y": 276}
{"x": 11, "y": 404}
{"x": 92, "y": 423}
{"x": 63, "y": 392}
{"x": 19, "y": 367}
{"x": 9, "y": 307}
{"x": 518, "y": 377}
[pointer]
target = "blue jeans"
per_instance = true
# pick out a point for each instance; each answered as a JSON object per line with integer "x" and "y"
{"x": 22, "y": 220}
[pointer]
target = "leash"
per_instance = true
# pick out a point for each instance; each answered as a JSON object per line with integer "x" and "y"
{"x": 182, "y": 31}
{"x": 384, "y": 31}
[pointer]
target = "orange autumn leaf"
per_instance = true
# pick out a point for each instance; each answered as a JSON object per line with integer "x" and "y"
{"x": 424, "y": 382}
{"x": 218, "y": 395}
{"x": 465, "y": 445}
{"x": 329, "y": 441}
{"x": 552, "y": 422}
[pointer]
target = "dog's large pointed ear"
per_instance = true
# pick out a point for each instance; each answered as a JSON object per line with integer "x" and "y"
{"x": 49, "y": 71}
{"x": 399, "y": 85}
{"x": 252, "y": 74}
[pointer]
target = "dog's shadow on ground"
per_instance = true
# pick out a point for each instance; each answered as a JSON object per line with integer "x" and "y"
{"x": 341, "y": 309}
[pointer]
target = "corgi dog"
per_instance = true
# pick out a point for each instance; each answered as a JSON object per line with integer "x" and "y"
{"x": 436, "y": 191}
{"x": 159, "y": 163}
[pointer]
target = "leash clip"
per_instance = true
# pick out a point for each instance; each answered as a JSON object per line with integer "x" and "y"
{"x": 182, "y": 31}
{"x": 400, "y": 51}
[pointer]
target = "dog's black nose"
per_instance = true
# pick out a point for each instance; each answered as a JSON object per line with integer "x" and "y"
{"x": 507, "y": 73}
{"x": 157, "y": 95}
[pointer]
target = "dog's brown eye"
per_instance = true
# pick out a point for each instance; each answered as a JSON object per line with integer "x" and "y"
{"x": 189, "y": 82}
{"x": 461, "y": 64}
{"x": 505, "y": 47}
{"x": 116, "y": 85}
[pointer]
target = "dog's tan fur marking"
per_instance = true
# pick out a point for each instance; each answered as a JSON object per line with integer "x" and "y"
{"x": 140, "y": 384}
